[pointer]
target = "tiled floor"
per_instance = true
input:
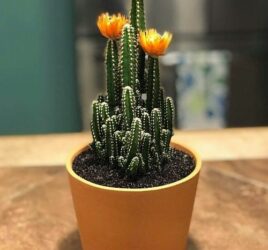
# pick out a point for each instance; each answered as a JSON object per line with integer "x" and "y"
{"x": 231, "y": 209}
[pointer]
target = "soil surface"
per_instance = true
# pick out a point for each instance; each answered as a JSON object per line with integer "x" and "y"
{"x": 89, "y": 167}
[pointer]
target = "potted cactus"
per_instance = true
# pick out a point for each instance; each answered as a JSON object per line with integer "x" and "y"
{"x": 132, "y": 187}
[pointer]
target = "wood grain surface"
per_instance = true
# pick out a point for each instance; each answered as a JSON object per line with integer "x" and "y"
{"x": 230, "y": 213}
{"x": 231, "y": 209}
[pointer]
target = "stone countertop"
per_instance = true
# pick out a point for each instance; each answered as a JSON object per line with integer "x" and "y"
{"x": 231, "y": 208}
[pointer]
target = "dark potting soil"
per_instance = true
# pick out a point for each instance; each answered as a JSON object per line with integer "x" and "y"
{"x": 87, "y": 166}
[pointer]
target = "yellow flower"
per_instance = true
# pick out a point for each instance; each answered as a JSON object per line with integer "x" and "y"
{"x": 111, "y": 26}
{"x": 153, "y": 43}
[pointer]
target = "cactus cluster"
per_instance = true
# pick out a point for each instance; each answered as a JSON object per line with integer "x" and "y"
{"x": 133, "y": 124}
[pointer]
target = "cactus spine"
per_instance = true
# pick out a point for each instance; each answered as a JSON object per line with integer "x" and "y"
{"x": 131, "y": 132}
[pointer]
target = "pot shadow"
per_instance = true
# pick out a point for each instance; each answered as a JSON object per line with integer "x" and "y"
{"x": 192, "y": 245}
{"x": 70, "y": 242}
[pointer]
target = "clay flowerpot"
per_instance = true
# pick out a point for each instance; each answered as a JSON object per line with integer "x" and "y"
{"x": 134, "y": 219}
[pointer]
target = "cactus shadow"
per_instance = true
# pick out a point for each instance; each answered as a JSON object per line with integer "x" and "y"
{"x": 70, "y": 242}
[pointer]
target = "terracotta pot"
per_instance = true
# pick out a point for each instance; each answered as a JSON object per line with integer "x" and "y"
{"x": 134, "y": 219}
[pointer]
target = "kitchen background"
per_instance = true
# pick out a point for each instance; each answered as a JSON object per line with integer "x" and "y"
{"x": 51, "y": 65}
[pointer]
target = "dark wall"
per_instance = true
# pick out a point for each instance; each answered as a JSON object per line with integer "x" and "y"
{"x": 239, "y": 26}
{"x": 38, "y": 91}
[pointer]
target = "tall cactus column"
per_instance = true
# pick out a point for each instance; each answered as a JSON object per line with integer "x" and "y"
{"x": 112, "y": 81}
{"x": 111, "y": 28}
{"x": 155, "y": 45}
{"x": 137, "y": 17}
{"x": 153, "y": 84}
{"x": 128, "y": 57}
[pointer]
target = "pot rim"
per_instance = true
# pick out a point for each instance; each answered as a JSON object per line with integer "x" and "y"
{"x": 183, "y": 147}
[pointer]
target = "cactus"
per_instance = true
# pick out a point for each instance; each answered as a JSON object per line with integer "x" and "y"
{"x": 128, "y": 57}
{"x": 113, "y": 85}
{"x": 153, "y": 84}
{"x": 169, "y": 111}
{"x": 131, "y": 132}
{"x": 104, "y": 111}
{"x": 128, "y": 106}
{"x": 146, "y": 144}
{"x": 109, "y": 137}
{"x": 145, "y": 118}
{"x": 96, "y": 123}
{"x": 156, "y": 127}
{"x": 138, "y": 22}
{"x": 162, "y": 104}
{"x": 134, "y": 139}
{"x": 137, "y": 16}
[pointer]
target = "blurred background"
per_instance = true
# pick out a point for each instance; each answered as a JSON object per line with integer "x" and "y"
{"x": 51, "y": 64}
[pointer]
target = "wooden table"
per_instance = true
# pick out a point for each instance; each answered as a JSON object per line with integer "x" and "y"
{"x": 231, "y": 209}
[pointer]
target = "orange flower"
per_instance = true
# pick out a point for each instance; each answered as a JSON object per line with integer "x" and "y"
{"x": 153, "y": 43}
{"x": 111, "y": 26}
